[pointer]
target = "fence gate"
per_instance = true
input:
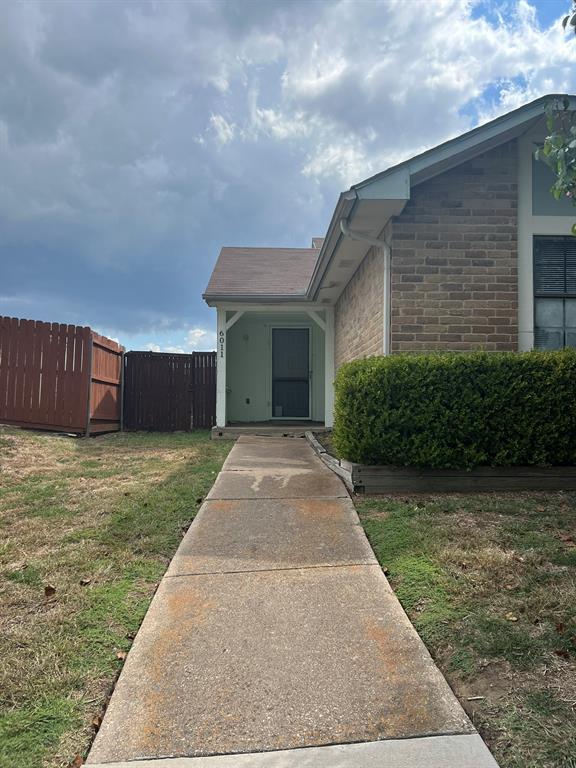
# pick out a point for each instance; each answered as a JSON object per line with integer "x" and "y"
{"x": 169, "y": 392}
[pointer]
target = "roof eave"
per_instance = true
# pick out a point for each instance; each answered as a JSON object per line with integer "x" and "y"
{"x": 344, "y": 207}
{"x": 214, "y": 299}
{"x": 394, "y": 184}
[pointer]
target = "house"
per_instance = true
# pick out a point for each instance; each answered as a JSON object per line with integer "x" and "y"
{"x": 459, "y": 248}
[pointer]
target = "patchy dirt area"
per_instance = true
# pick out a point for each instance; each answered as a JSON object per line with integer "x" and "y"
{"x": 489, "y": 581}
{"x": 87, "y": 528}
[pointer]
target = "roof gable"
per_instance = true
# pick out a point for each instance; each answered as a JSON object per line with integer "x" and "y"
{"x": 461, "y": 148}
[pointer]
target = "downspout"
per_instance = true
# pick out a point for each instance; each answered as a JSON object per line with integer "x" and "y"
{"x": 385, "y": 245}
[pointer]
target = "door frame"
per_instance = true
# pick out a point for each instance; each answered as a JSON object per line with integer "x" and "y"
{"x": 283, "y": 326}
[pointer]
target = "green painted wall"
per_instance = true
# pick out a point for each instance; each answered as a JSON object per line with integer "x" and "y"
{"x": 248, "y": 365}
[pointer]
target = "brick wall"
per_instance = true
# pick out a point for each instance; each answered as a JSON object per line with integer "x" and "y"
{"x": 454, "y": 281}
{"x": 358, "y": 318}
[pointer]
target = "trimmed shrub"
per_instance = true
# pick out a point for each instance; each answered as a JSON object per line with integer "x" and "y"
{"x": 458, "y": 410}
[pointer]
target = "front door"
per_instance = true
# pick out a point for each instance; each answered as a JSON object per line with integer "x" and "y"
{"x": 290, "y": 373}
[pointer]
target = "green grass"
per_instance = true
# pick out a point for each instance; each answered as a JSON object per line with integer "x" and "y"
{"x": 98, "y": 520}
{"x": 489, "y": 582}
{"x": 26, "y": 734}
{"x": 25, "y": 574}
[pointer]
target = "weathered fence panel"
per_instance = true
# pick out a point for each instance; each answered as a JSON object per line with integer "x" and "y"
{"x": 169, "y": 392}
{"x": 46, "y": 382}
{"x": 106, "y": 385}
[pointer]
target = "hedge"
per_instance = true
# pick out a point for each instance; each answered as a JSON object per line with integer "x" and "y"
{"x": 458, "y": 410}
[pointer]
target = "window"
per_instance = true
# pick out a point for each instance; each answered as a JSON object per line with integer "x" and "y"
{"x": 554, "y": 292}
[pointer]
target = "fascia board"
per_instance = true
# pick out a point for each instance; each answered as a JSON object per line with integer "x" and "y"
{"x": 213, "y": 300}
{"x": 452, "y": 149}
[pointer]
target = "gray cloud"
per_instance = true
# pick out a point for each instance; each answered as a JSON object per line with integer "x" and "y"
{"x": 138, "y": 138}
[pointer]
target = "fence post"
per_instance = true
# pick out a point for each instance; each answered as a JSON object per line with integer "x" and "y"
{"x": 121, "y": 391}
{"x": 89, "y": 398}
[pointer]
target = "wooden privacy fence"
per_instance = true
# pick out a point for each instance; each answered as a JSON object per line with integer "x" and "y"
{"x": 169, "y": 392}
{"x": 65, "y": 378}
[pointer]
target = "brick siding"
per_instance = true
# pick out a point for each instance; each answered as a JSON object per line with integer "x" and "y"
{"x": 358, "y": 315}
{"x": 454, "y": 279}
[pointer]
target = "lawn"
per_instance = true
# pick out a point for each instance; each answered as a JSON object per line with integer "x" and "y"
{"x": 87, "y": 528}
{"x": 489, "y": 581}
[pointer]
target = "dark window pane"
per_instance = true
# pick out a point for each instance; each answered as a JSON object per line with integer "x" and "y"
{"x": 570, "y": 264}
{"x": 570, "y": 313}
{"x": 549, "y": 313}
{"x": 548, "y": 339}
{"x": 549, "y": 265}
{"x": 570, "y": 338}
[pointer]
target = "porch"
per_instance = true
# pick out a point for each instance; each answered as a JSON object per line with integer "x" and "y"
{"x": 276, "y": 428}
{"x": 275, "y": 369}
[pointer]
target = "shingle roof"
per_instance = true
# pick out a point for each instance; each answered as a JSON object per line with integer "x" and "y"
{"x": 262, "y": 272}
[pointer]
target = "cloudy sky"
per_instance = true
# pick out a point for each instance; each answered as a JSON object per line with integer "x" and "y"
{"x": 137, "y": 138}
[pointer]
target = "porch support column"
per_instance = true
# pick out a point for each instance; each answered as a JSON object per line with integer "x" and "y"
{"x": 221, "y": 368}
{"x": 329, "y": 371}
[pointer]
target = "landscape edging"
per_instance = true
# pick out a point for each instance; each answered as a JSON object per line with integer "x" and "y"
{"x": 374, "y": 479}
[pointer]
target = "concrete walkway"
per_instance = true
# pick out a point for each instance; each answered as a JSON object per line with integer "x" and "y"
{"x": 275, "y": 634}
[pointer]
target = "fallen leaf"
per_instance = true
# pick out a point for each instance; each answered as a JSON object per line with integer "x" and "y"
{"x": 97, "y": 721}
{"x": 49, "y": 590}
{"x": 511, "y": 617}
{"x": 85, "y": 582}
{"x": 130, "y": 635}
{"x": 560, "y": 628}
{"x": 121, "y": 655}
{"x": 77, "y": 762}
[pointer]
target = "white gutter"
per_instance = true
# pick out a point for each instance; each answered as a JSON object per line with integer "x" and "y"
{"x": 385, "y": 246}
